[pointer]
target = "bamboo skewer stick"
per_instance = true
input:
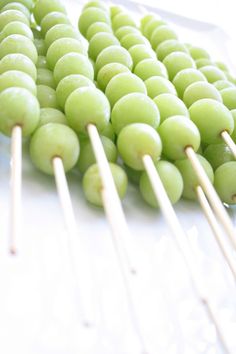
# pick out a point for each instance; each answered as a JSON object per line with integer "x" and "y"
{"x": 229, "y": 142}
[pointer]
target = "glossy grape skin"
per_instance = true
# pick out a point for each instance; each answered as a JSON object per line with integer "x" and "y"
{"x": 73, "y": 63}
{"x": 151, "y": 26}
{"x": 198, "y": 90}
{"x": 16, "y": 27}
{"x": 123, "y": 84}
{"x": 18, "y": 62}
{"x": 168, "y": 47}
{"x": 61, "y": 31}
{"x": 170, "y": 105}
{"x": 17, "y": 43}
{"x": 177, "y": 133}
{"x": 108, "y": 131}
{"x": 171, "y": 179}
{"x": 9, "y": 16}
{"x": 140, "y": 52}
{"x": 229, "y": 97}
{"x": 200, "y": 63}
{"x": 87, "y": 158}
{"x": 177, "y": 61}
{"x": 44, "y": 7}
{"x": 92, "y": 183}
{"x": 108, "y": 71}
{"x": 157, "y": 85}
{"x": 46, "y": 97}
{"x": 124, "y": 30}
{"x": 54, "y": 140}
{"x": 18, "y": 107}
{"x": 218, "y": 154}
{"x": 150, "y": 67}
{"x": 97, "y": 27}
{"x": 114, "y": 10}
{"x": 114, "y": 54}
{"x": 45, "y": 77}
{"x": 147, "y": 19}
{"x": 95, "y": 3}
{"x": 136, "y": 140}
{"x": 233, "y": 135}
{"x": 52, "y": 19}
{"x": 99, "y": 42}
{"x": 230, "y": 77}
{"x": 40, "y": 46}
{"x": 134, "y": 108}
{"x": 223, "y": 84}
{"x": 186, "y": 77}
{"x": 198, "y": 53}
{"x": 69, "y": 84}
{"x": 225, "y": 182}
{"x": 26, "y": 3}
{"x": 218, "y": 119}
{"x": 51, "y": 115}
{"x": 42, "y": 62}
{"x": 79, "y": 113}
{"x": 132, "y": 39}
{"x": 90, "y": 16}
{"x": 122, "y": 19}
{"x": 61, "y": 47}
{"x": 162, "y": 34}
{"x": 15, "y": 78}
{"x": 212, "y": 73}
{"x": 189, "y": 176}
{"x": 17, "y": 6}
{"x": 221, "y": 66}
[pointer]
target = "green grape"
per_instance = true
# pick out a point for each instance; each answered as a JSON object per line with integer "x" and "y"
{"x": 46, "y": 97}
{"x": 122, "y": 19}
{"x": 168, "y": 47}
{"x": 222, "y": 66}
{"x": 18, "y": 107}
{"x": 171, "y": 179}
{"x": 132, "y": 39}
{"x": 42, "y": 62}
{"x": 225, "y": 178}
{"x": 157, "y": 85}
{"x": 123, "y": 84}
{"x": 15, "y": 78}
{"x": 18, "y": 62}
{"x": 161, "y": 34}
{"x": 136, "y": 140}
{"x": 115, "y": 9}
{"x": 99, "y": 42}
{"x": 176, "y": 62}
{"x": 189, "y": 176}
{"x": 17, "y": 6}
{"x": 54, "y": 140}
{"x": 230, "y": 77}
{"x": 199, "y": 90}
{"x": 150, "y": 67}
{"x": 134, "y": 108}
{"x": 114, "y": 54}
{"x": 218, "y": 154}
{"x": 79, "y": 113}
{"x": 108, "y": 131}
{"x": 60, "y": 31}
{"x": 133, "y": 175}
{"x": 26, "y": 3}
{"x": 140, "y": 52}
{"x": 40, "y": 46}
{"x": 108, "y": 71}
{"x": 97, "y": 27}
{"x": 44, "y": 7}
{"x": 186, "y": 77}
{"x": 170, "y": 105}
{"x": 177, "y": 133}
{"x": 9, "y": 16}
{"x": 52, "y": 19}
{"x": 45, "y": 77}
{"x": 16, "y": 43}
{"x": 218, "y": 119}
{"x": 69, "y": 84}
{"x": 147, "y": 19}
{"x": 93, "y": 186}
{"x": 198, "y": 53}
{"x": 124, "y": 30}
{"x": 61, "y": 47}
{"x": 87, "y": 158}
{"x": 151, "y": 26}
{"x": 223, "y": 84}
{"x": 73, "y": 63}
{"x": 16, "y": 27}
{"x": 51, "y": 115}
{"x": 90, "y": 16}
{"x": 200, "y": 63}
{"x": 233, "y": 135}
{"x": 95, "y": 3}
{"x": 229, "y": 97}
{"x": 212, "y": 73}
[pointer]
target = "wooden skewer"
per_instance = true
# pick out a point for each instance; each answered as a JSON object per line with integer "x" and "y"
{"x": 16, "y": 188}
{"x": 181, "y": 238}
{"x": 216, "y": 229}
{"x": 229, "y": 142}
{"x": 211, "y": 194}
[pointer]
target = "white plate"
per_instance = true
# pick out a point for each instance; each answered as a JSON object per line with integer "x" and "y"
{"x": 39, "y": 306}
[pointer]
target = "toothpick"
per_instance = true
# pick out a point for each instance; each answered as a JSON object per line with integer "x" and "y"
{"x": 229, "y": 142}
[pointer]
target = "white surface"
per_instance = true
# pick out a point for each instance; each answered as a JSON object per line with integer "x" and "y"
{"x": 39, "y": 304}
